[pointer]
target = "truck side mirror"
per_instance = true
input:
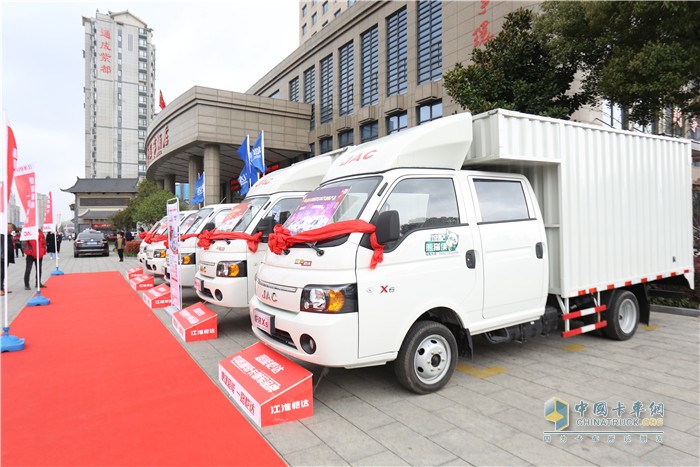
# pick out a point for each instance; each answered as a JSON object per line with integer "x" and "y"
{"x": 265, "y": 225}
{"x": 388, "y": 227}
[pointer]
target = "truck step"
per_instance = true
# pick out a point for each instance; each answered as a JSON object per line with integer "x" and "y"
{"x": 587, "y": 328}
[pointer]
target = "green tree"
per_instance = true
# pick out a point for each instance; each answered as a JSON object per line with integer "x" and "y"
{"x": 642, "y": 55}
{"x": 153, "y": 207}
{"x": 148, "y": 206}
{"x": 515, "y": 70}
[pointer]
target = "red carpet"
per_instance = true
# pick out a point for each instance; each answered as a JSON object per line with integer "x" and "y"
{"x": 102, "y": 382}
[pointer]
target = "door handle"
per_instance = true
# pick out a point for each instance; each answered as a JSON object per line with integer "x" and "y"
{"x": 471, "y": 259}
{"x": 539, "y": 250}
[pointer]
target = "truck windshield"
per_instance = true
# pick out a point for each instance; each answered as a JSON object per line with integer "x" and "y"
{"x": 333, "y": 202}
{"x": 240, "y": 217}
{"x": 193, "y": 222}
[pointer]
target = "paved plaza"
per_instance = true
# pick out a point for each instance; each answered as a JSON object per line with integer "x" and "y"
{"x": 492, "y": 412}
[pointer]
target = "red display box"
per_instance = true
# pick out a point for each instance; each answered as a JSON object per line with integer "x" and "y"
{"x": 141, "y": 282}
{"x": 133, "y": 272}
{"x": 157, "y": 297}
{"x": 196, "y": 323}
{"x": 267, "y": 386}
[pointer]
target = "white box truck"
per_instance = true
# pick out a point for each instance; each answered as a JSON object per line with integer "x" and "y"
{"x": 227, "y": 267}
{"x": 207, "y": 218}
{"x": 154, "y": 252}
{"x": 566, "y": 229}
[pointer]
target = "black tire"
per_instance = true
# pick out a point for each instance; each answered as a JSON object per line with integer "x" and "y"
{"x": 622, "y": 316}
{"x": 75, "y": 255}
{"x": 427, "y": 358}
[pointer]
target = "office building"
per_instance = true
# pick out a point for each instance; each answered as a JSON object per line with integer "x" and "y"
{"x": 119, "y": 94}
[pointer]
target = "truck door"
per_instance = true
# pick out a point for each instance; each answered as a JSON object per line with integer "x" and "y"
{"x": 512, "y": 245}
{"x": 424, "y": 270}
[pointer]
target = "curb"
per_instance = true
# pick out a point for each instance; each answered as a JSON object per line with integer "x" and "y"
{"x": 676, "y": 310}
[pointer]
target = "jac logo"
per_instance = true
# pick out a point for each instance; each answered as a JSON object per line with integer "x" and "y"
{"x": 202, "y": 268}
{"x": 386, "y": 289}
{"x": 359, "y": 157}
{"x": 269, "y": 296}
{"x": 302, "y": 262}
{"x": 220, "y": 248}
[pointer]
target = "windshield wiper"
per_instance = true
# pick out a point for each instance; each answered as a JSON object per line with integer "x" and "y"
{"x": 318, "y": 251}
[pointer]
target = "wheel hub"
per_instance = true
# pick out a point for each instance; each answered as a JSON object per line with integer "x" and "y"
{"x": 432, "y": 359}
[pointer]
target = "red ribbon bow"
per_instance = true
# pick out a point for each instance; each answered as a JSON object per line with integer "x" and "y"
{"x": 281, "y": 239}
{"x": 207, "y": 237}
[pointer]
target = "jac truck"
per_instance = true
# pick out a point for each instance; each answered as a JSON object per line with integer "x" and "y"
{"x": 228, "y": 262}
{"x": 207, "y": 218}
{"x": 155, "y": 251}
{"x": 503, "y": 225}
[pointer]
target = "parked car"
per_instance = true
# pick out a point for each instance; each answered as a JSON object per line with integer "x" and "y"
{"x": 90, "y": 243}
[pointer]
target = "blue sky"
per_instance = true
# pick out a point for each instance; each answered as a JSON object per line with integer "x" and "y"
{"x": 221, "y": 44}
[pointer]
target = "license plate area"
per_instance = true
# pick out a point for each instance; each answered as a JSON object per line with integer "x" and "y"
{"x": 264, "y": 321}
{"x": 198, "y": 284}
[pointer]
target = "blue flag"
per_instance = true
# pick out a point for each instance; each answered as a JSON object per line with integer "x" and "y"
{"x": 248, "y": 176}
{"x": 198, "y": 190}
{"x": 258, "y": 154}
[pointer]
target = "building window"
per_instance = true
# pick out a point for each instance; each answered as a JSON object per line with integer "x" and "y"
{"x": 142, "y": 168}
{"x": 397, "y": 122}
{"x": 314, "y": 18}
{"x": 312, "y": 149}
{"x": 327, "y": 89}
{"x": 337, "y": 13}
{"x": 345, "y": 80}
{"x": 370, "y": 67}
{"x": 346, "y": 138}
{"x": 294, "y": 90}
{"x": 303, "y": 29}
{"x": 429, "y": 112}
{"x": 142, "y": 133}
{"x": 325, "y": 7}
{"x": 351, "y": 3}
{"x": 396, "y": 51}
{"x": 325, "y": 145}
{"x": 429, "y": 41}
{"x": 275, "y": 95}
{"x": 303, "y": 11}
{"x": 310, "y": 93}
{"x": 369, "y": 132}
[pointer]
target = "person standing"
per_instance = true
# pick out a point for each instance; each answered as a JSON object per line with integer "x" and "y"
{"x": 18, "y": 244}
{"x": 120, "y": 246}
{"x": 8, "y": 247}
{"x": 58, "y": 244}
{"x": 34, "y": 254}
{"x": 51, "y": 245}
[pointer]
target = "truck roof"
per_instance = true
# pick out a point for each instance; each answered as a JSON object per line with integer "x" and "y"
{"x": 302, "y": 176}
{"x": 442, "y": 144}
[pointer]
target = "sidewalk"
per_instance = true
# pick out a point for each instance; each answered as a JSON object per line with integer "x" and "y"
{"x": 491, "y": 412}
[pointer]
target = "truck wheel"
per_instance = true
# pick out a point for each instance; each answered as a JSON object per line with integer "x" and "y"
{"x": 622, "y": 316}
{"x": 427, "y": 358}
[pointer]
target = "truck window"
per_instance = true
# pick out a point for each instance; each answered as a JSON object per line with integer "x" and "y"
{"x": 424, "y": 203}
{"x": 501, "y": 200}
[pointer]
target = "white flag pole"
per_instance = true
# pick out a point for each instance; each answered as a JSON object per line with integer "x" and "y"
{"x": 57, "y": 271}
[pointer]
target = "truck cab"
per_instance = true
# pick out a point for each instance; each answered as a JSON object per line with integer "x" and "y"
{"x": 159, "y": 228}
{"x": 227, "y": 267}
{"x": 155, "y": 251}
{"x": 207, "y": 218}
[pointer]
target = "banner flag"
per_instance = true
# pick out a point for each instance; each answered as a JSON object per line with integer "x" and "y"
{"x": 48, "y": 215}
{"x": 247, "y": 174}
{"x": 198, "y": 190}
{"x": 162, "y": 101}
{"x": 26, "y": 189}
{"x": 258, "y": 154}
{"x": 11, "y": 163}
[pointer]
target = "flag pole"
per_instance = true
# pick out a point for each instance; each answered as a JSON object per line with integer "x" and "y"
{"x": 8, "y": 342}
{"x": 37, "y": 300}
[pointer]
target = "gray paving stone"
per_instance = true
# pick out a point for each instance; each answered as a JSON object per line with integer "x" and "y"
{"x": 664, "y": 455}
{"x": 462, "y": 395}
{"x": 384, "y": 458}
{"x": 410, "y": 446}
{"x": 291, "y": 437}
{"x": 358, "y": 412}
{"x": 431, "y": 402}
{"x": 419, "y": 420}
{"x": 482, "y": 426}
{"x": 326, "y": 390}
{"x": 346, "y": 440}
{"x": 320, "y": 455}
{"x": 536, "y": 451}
{"x": 475, "y": 450}
{"x": 602, "y": 453}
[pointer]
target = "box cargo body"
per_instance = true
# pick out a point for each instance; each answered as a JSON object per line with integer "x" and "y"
{"x": 617, "y": 205}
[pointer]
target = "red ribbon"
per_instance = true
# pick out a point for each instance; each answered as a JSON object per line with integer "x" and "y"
{"x": 206, "y": 238}
{"x": 142, "y": 235}
{"x": 282, "y": 239}
{"x": 182, "y": 239}
{"x": 154, "y": 238}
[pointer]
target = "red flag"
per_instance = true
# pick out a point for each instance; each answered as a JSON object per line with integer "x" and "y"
{"x": 11, "y": 162}
{"x": 26, "y": 189}
{"x": 162, "y": 101}
{"x": 48, "y": 215}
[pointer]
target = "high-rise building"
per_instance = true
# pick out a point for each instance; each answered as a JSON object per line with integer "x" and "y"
{"x": 119, "y": 94}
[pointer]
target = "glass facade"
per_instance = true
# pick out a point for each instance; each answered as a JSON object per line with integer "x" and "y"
{"x": 396, "y": 122}
{"x": 429, "y": 41}
{"x": 310, "y": 93}
{"x": 346, "y": 138}
{"x": 370, "y": 67}
{"x": 325, "y": 145}
{"x": 294, "y": 90}
{"x": 327, "y": 89}
{"x": 346, "y": 70}
{"x": 396, "y": 53}
{"x": 369, "y": 132}
{"x": 429, "y": 112}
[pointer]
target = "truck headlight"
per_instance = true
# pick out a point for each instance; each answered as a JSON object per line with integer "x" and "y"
{"x": 231, "y": 269}
{"x": 159, "y": 253}
{"x": 329, "y": 299}
{"x": 189, "y": 258}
